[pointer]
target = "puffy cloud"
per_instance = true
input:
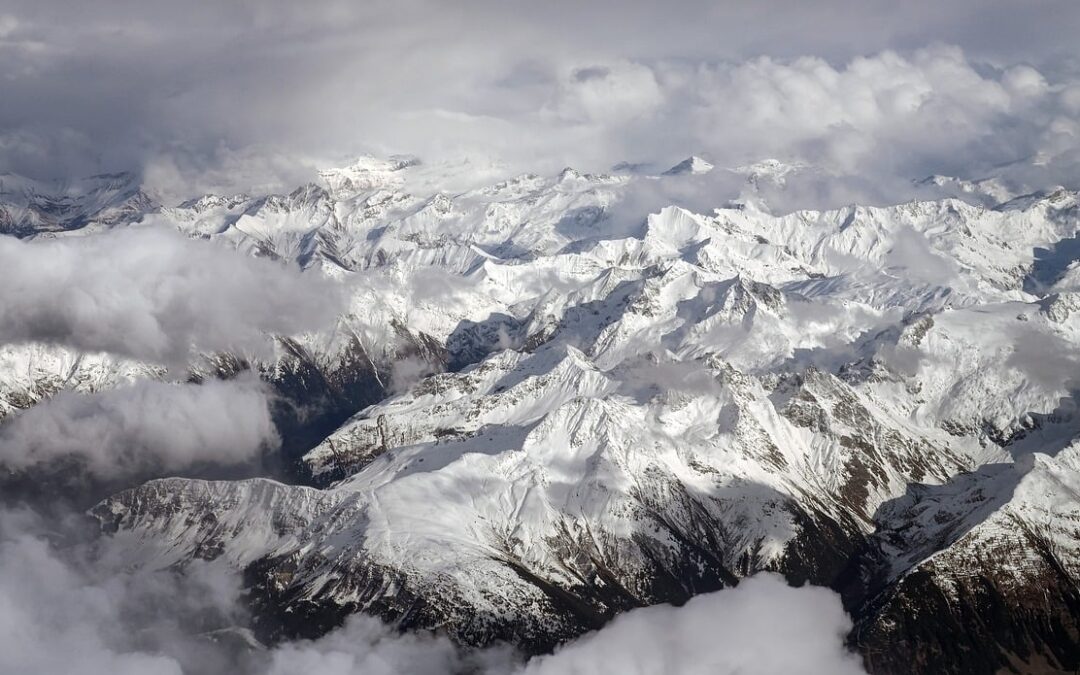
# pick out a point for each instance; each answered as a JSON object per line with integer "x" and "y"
{"x": 838, "y": 116}
{"x": 1024, "y": 81}
{"x": 889, "y": 114}
{"x": 63, "y": 611}
{"x": 254, "y": 94}
{"x": 366, "y": 646}
{"x": 153, "y": 295}
{"x": 36, "y": 644}
{"x": 614, "y": 94}
{"x": 145, "y": 426}
{"x": 762, "y": 626}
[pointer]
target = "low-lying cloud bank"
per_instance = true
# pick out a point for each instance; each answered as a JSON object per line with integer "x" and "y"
{"x": 154, "y": 295}
{"x": 762, "y": 626}
{"x": 75, "y": 611}
{"x": 144, "y": 426}
{"x": 80, "y": 609}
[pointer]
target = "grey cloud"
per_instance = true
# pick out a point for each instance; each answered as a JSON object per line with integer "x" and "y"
{"x": 209, "y": 96}
{"x": 76, "y": 608}
{"x": 591, "y": 73}
{"x": 1044, "y": 358}
{"x": 654, "y": 374}
{"x": 70, "y": 610}
{"x": 366, "y": 646}
{"x": 145, "y": 426}
{"x": 153, "y": 295}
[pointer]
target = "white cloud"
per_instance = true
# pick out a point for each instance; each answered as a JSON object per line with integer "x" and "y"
{"x": 763, "y": 626}
{"x": 889, "y": 113}
{"x": 887, "y": 118}
{"x": 153, "y": 295}
{"x": 61, "y": 615}
{"x": 199, "y": 98}
{"x": 610, "y": 94}
{"x": 405, "y": 372}
{"x": 144, "y": 426}
{"x": 366, "y": 646}
{"x": 1024, "y": 81}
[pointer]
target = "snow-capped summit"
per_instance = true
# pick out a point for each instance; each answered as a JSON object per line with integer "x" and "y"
{"x": 367, "y": 173}
{"x": 988, "y": 192}
{"x": 771, "y": 171}
{"x": 691, "y": 165}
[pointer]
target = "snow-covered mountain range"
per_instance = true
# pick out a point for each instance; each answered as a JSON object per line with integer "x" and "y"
{"x": 545, "y": 407}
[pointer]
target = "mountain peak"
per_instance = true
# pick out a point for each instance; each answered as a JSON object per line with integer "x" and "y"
{"x": 373, "y": 164}
{"x": 772, "y": 170}
{"x": 690, "y": 165}
{"x": 367, "y": 173}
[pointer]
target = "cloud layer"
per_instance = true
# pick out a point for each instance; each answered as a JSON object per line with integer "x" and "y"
{"x": 73, "y": 611}
{"x": 762, "y": 626}
{"x": 145, "y": 426}
{"x": 153, "y": 295}
{"x": 254, "y": 95}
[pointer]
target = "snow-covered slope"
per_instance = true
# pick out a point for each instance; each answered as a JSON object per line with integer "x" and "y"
{"x": 29, "y": 207}
{"x": 562, "y": 408}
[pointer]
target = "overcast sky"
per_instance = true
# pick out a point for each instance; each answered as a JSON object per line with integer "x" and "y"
{"x": 253, "y": 95}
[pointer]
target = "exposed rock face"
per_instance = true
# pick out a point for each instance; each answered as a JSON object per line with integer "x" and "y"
{"x": 979, "y": 573}
{"x": 536, "y": 416}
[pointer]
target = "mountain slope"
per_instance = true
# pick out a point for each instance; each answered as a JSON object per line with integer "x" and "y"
{"x": 540, "y": 412}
